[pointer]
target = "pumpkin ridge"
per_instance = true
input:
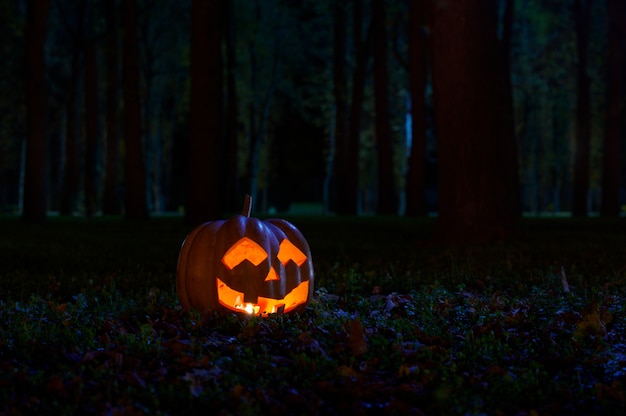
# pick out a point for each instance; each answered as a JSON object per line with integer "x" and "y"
{"x": 183, "y": 258}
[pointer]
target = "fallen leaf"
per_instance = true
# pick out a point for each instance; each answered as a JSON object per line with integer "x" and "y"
{"x": 347, "y": 372}
{"x": 591, "y": 325}
{"x": 356, "y": 339}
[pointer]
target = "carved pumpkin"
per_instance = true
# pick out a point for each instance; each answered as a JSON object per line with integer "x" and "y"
{"x": 245, "y": 265}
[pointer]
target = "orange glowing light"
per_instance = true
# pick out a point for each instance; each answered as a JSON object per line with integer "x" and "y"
{"x": 244, "y": 249}
{"x": 231, "y": 299}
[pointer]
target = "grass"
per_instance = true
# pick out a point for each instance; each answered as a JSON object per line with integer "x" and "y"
{"x": 91, "y": 324}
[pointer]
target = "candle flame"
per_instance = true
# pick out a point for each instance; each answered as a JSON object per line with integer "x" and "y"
{"x": 249, "y": 308}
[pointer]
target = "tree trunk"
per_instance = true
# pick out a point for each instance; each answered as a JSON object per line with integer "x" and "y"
{"x": 363, "y": 51}
{"x": 111, "y": 197}
{"x": 71, "y": 174}
{"x": 35, "y": 172}
{"x": 259, "y": 111}
{"x": 152, "y": 126}
{"x": 70, "y": 171}
{"x": 91, "y": 127}
{"x": 583, "y": 112}
{"x": 340, "y": 89}
{"x": 418, "y": 67}
{"x": 509, "y": 160}
{"x": 232, "y": 189}
{"x": 615, "y": 99}
{"x": 387, "y": 198}
{"x": 203, "y": 182}
{"x": 134, "y": 166}
{"x": 475, "y": 192}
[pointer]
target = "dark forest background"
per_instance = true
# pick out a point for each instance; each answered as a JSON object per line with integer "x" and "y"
{"x": 478, "y": 111}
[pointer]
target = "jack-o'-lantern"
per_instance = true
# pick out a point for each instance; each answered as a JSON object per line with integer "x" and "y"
{"x": 245, "y": 265}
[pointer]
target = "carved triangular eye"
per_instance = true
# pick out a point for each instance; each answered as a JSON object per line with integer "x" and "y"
{"x": 290, "y": 252}
{"x": 244, "y": 249}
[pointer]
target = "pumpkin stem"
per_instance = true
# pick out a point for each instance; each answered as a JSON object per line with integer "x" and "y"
{"x": 247, "y": 206}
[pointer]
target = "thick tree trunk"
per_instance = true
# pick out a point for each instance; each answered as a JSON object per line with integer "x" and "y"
{"x": 615, "y": 105}
{"x": 583, "y": 112}
{"x": 134, "y": 167}
{"x": 475, "y": 192}
{"x": 35, "y": 172}
{"x": 111, "y": 197}
{"x": 418, "y": 67}
{"x": 387, "y": 198}
{"x": 232, "y": 189}
{"x": 203, "y": 182}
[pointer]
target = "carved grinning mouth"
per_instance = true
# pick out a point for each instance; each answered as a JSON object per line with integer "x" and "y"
{"x": 233, "y": 300}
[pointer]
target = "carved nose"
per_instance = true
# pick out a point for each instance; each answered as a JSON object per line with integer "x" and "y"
{"x": 272, "y": 275}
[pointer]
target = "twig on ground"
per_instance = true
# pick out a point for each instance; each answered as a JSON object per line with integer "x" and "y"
{"x": 564, "y": 280}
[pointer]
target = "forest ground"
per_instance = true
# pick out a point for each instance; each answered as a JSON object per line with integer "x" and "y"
{"x": 90, "y": 322}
